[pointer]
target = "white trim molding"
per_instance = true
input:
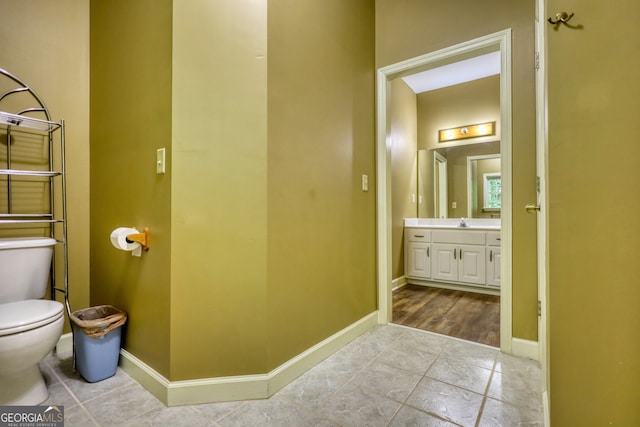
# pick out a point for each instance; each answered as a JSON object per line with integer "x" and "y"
{"x": 545, "y": 408}
{"x": 261, "y": 386}
{"x": 399, "y": 282}
{"x": 525, "y": 348}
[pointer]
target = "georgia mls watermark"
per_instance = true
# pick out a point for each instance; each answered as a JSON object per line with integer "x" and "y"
{"x": 31, "y": 416}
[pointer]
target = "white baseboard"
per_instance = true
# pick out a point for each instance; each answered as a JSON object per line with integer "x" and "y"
{"x": 65, "y": 344}
{"x": 525, "y": 348}
{"x": 398, "y": 283}
{"x": 545, "y": 409}
{"x": 173, "y": 393}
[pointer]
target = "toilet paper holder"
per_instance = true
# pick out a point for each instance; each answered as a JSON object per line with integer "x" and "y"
{"x": 142, "y": 238}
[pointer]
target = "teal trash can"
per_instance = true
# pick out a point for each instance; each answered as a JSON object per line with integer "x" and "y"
{"x": 96, "y": 341}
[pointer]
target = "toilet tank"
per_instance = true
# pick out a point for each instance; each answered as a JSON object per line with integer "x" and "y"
{"x": 25, "y": 264}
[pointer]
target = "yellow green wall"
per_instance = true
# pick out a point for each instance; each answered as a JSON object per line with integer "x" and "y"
{"x": 477, "y": 101}
{"x": 219, "y": 189}
{"x": 321, "y": 225}
{"x": 130, "y": 119}
{"x": 46, "y": 44}
{"x": 409, "y": 28}
{"x": 403, "y": 117}
{"x": 594, "y": 206}
{"x": 260, "y": 250}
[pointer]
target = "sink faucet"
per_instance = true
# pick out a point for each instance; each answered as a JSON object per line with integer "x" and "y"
{"x": 463, "y": 223}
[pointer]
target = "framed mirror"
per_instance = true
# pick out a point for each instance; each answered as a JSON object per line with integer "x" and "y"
{"x": 451, "y": 184}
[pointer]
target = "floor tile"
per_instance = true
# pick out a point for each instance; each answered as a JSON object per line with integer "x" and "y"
{"x": 59, "y": 396}
{"x": 430, "y": 342}
{"x": 446, "y": 401}
{"x": 77, "y": 417}
{"x": 368, "y": 346}
{"x": 316, "y": 385}
{"x": 507, "y": 363}
{"x": 387, "y": 381}
{"x": 215, "y": 411}
{"x": 118, "y": 406}
{"x": 411, "y": 417}
{"x": 273, "y": 412}
{"x": 410, "y": 356}
{"x": 82, "y": 389}
{"x": 515, "y": 388}
{"x": 49, "y": 376}
{"x": 498, "y": 414}
{"x": 176, "y": 416}
{"x": 470, "y": 353}
{"x": 459, "y": 374}
{"x": 358, "y": 406}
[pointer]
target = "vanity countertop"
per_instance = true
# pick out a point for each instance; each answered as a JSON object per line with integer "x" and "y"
{"x": 453, "y": 223}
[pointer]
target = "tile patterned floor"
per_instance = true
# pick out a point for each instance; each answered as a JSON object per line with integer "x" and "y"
{"x": 390, "y": 376}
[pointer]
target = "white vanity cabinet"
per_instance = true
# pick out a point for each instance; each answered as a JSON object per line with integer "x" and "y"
{"x": 459, "y": 256}
{"x": 453, "y": 258}
{"x": 417, "y": 253}
{"x": 493, "y": 259}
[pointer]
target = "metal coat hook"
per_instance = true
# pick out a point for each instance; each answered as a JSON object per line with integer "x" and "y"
{"x": 561, "y": 18}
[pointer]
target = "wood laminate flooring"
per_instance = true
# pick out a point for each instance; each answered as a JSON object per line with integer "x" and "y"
{"x": 466, "y": 315}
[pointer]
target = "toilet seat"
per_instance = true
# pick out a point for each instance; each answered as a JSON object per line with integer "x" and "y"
{"x": 21, "y": 316}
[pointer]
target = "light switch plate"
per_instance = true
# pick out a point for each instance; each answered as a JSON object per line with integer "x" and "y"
{"x": 160, "y": 160}
{"x": 365, "y": 183}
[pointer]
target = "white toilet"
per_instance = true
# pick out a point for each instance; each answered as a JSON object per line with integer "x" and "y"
{"x": 29, "y": 326}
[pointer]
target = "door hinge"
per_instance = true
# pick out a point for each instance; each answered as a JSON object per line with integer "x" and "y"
{"x": 539, "y": 308}
{"x": 537, "y": 184}
{"x": 537, "y": 61}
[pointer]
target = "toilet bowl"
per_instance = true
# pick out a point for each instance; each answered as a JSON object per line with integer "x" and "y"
{"x": 29, "y": 330}
{"x": 29, "y": 326}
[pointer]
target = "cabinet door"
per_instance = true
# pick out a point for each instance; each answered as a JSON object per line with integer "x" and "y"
{"x": 418, "y": 262}
{"x": 471, "y": 264}
{"x": 493, "y": 266}
{"x": 444, "y": 261}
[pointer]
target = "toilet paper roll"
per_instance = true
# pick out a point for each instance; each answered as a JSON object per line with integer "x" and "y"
{"x": 119, "y": 240}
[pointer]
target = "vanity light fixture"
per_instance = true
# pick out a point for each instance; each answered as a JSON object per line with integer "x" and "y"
{"x": 464, "y": 132}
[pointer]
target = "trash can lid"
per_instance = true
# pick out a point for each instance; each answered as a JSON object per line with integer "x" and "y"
{"x": 24, "y": 315}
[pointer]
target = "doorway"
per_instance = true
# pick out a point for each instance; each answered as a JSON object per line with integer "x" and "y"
{"x": 440, "y": 185}
{"x": 500, "y": 42}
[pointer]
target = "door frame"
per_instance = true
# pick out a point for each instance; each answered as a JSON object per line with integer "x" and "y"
{"x": 542, "y": 150}
{"x": 501, "y": 40}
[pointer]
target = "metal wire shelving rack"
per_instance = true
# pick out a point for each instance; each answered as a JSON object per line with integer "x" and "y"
{"x": 32, "y": 147}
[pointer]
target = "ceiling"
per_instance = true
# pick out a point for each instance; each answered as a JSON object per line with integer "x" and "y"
{"x": 456, "y": 73}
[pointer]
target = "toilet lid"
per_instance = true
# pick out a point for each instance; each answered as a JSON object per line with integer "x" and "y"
{"x": 24, "y": 315}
